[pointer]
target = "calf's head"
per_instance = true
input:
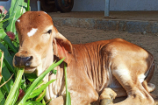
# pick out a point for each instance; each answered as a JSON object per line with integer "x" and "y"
{"x": 39, "y": 42}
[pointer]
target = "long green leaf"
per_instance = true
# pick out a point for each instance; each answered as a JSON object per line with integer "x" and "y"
{"x": 11, "y": 97}
{"x": 68, "y": 98}
{"x": 5, "y": 20}
{"x": 12, "y": 6}
{"x": 41, "y": 96}
{"x": 32, "y": 103}
{"x": 7, "y": 40}
{"x": 7, "y": 58}
{"x": 10, "y": 44}
{"x": 2, "y": 98}
{"x": 2, "y": 32}
{"x": 28, "y": 5}
{"x": 15, "y": 98}
{"x": 34, "y": 84}
{"x": 37, "y": 91}
{"x": 31, "y": 77}
{"x": 6, "y": 75}
{"x": 18, "y": 7}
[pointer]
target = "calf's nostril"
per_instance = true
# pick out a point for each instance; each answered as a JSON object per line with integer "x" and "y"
{"x": 27, "y": 64}
{"x": 17, "y": 61}
{"x": 28, "y": 58}
{"x": 26, "y": 61}
{"x": 17, "y": 58}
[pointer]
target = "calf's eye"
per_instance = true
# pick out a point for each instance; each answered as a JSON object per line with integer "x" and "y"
{"x": 49, "y": 32}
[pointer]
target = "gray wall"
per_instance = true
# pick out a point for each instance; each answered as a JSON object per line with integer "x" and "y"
{"x": 116, "y": 5}
{"x": 98, "y": 5}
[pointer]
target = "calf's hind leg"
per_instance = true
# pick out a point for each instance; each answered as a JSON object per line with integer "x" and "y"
{"x": 137, "y": 95}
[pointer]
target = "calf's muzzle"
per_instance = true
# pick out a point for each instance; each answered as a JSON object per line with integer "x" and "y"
{"x": 20, "y": 61}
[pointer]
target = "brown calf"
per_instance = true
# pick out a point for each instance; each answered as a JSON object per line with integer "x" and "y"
{"x": 96, "y": 71}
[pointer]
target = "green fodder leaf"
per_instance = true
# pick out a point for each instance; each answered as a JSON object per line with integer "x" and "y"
{"x": 54, "y": 71}
{"x": 36, "y": 81}
{"x": 2, "y": 32}
{"x": 28, "y": 5}
{"x": 68, "y": 97}
{"x": 18, "y": 7}
{"x": 6, "y": 39}
{"x": 10, "y": 44}
{"x": 40, "y": 88}
{"x": 15, "y": 98}
{"x": 41, "y": 96}
{"x": 43, "y": 102}
{"x": 7, "y": 58}
{"x": 6, "y": 75}
{"x": 12, "y": 97}
{"x": 31, "y": 77}
{"x": 33, "y": 103}
{"x": 5, "y": 20}
{"x": 12, "y": 6}
{"x": 2, "y": 98}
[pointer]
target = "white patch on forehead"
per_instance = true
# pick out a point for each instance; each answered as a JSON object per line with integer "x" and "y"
{"x": 45, "y": 12}
{"x": 32, "y": 32}
{"x": 18, "y": 20}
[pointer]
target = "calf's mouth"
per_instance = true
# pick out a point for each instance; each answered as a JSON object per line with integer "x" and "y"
{"x": 30, "y": 69}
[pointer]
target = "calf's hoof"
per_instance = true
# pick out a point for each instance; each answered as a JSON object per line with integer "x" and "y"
{"x": 106, "y": 101}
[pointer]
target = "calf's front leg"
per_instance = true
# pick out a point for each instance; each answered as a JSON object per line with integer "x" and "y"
{"x": 58, "y": 101}
{"x": 79, "y": 97}
{"x": 107, "y": 96}
{"x": 77, "y": 100}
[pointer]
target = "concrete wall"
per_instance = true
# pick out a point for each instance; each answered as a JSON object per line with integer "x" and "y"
{"x": 98, "y": 5}
{"x": 33, "y": 4}
{"x": 116, "y": 5}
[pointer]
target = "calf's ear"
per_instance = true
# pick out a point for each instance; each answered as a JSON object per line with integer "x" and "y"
{"x": 62, "y": 47}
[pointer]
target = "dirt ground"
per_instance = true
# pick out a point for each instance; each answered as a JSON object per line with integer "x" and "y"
{"x": 147, "y": 41}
